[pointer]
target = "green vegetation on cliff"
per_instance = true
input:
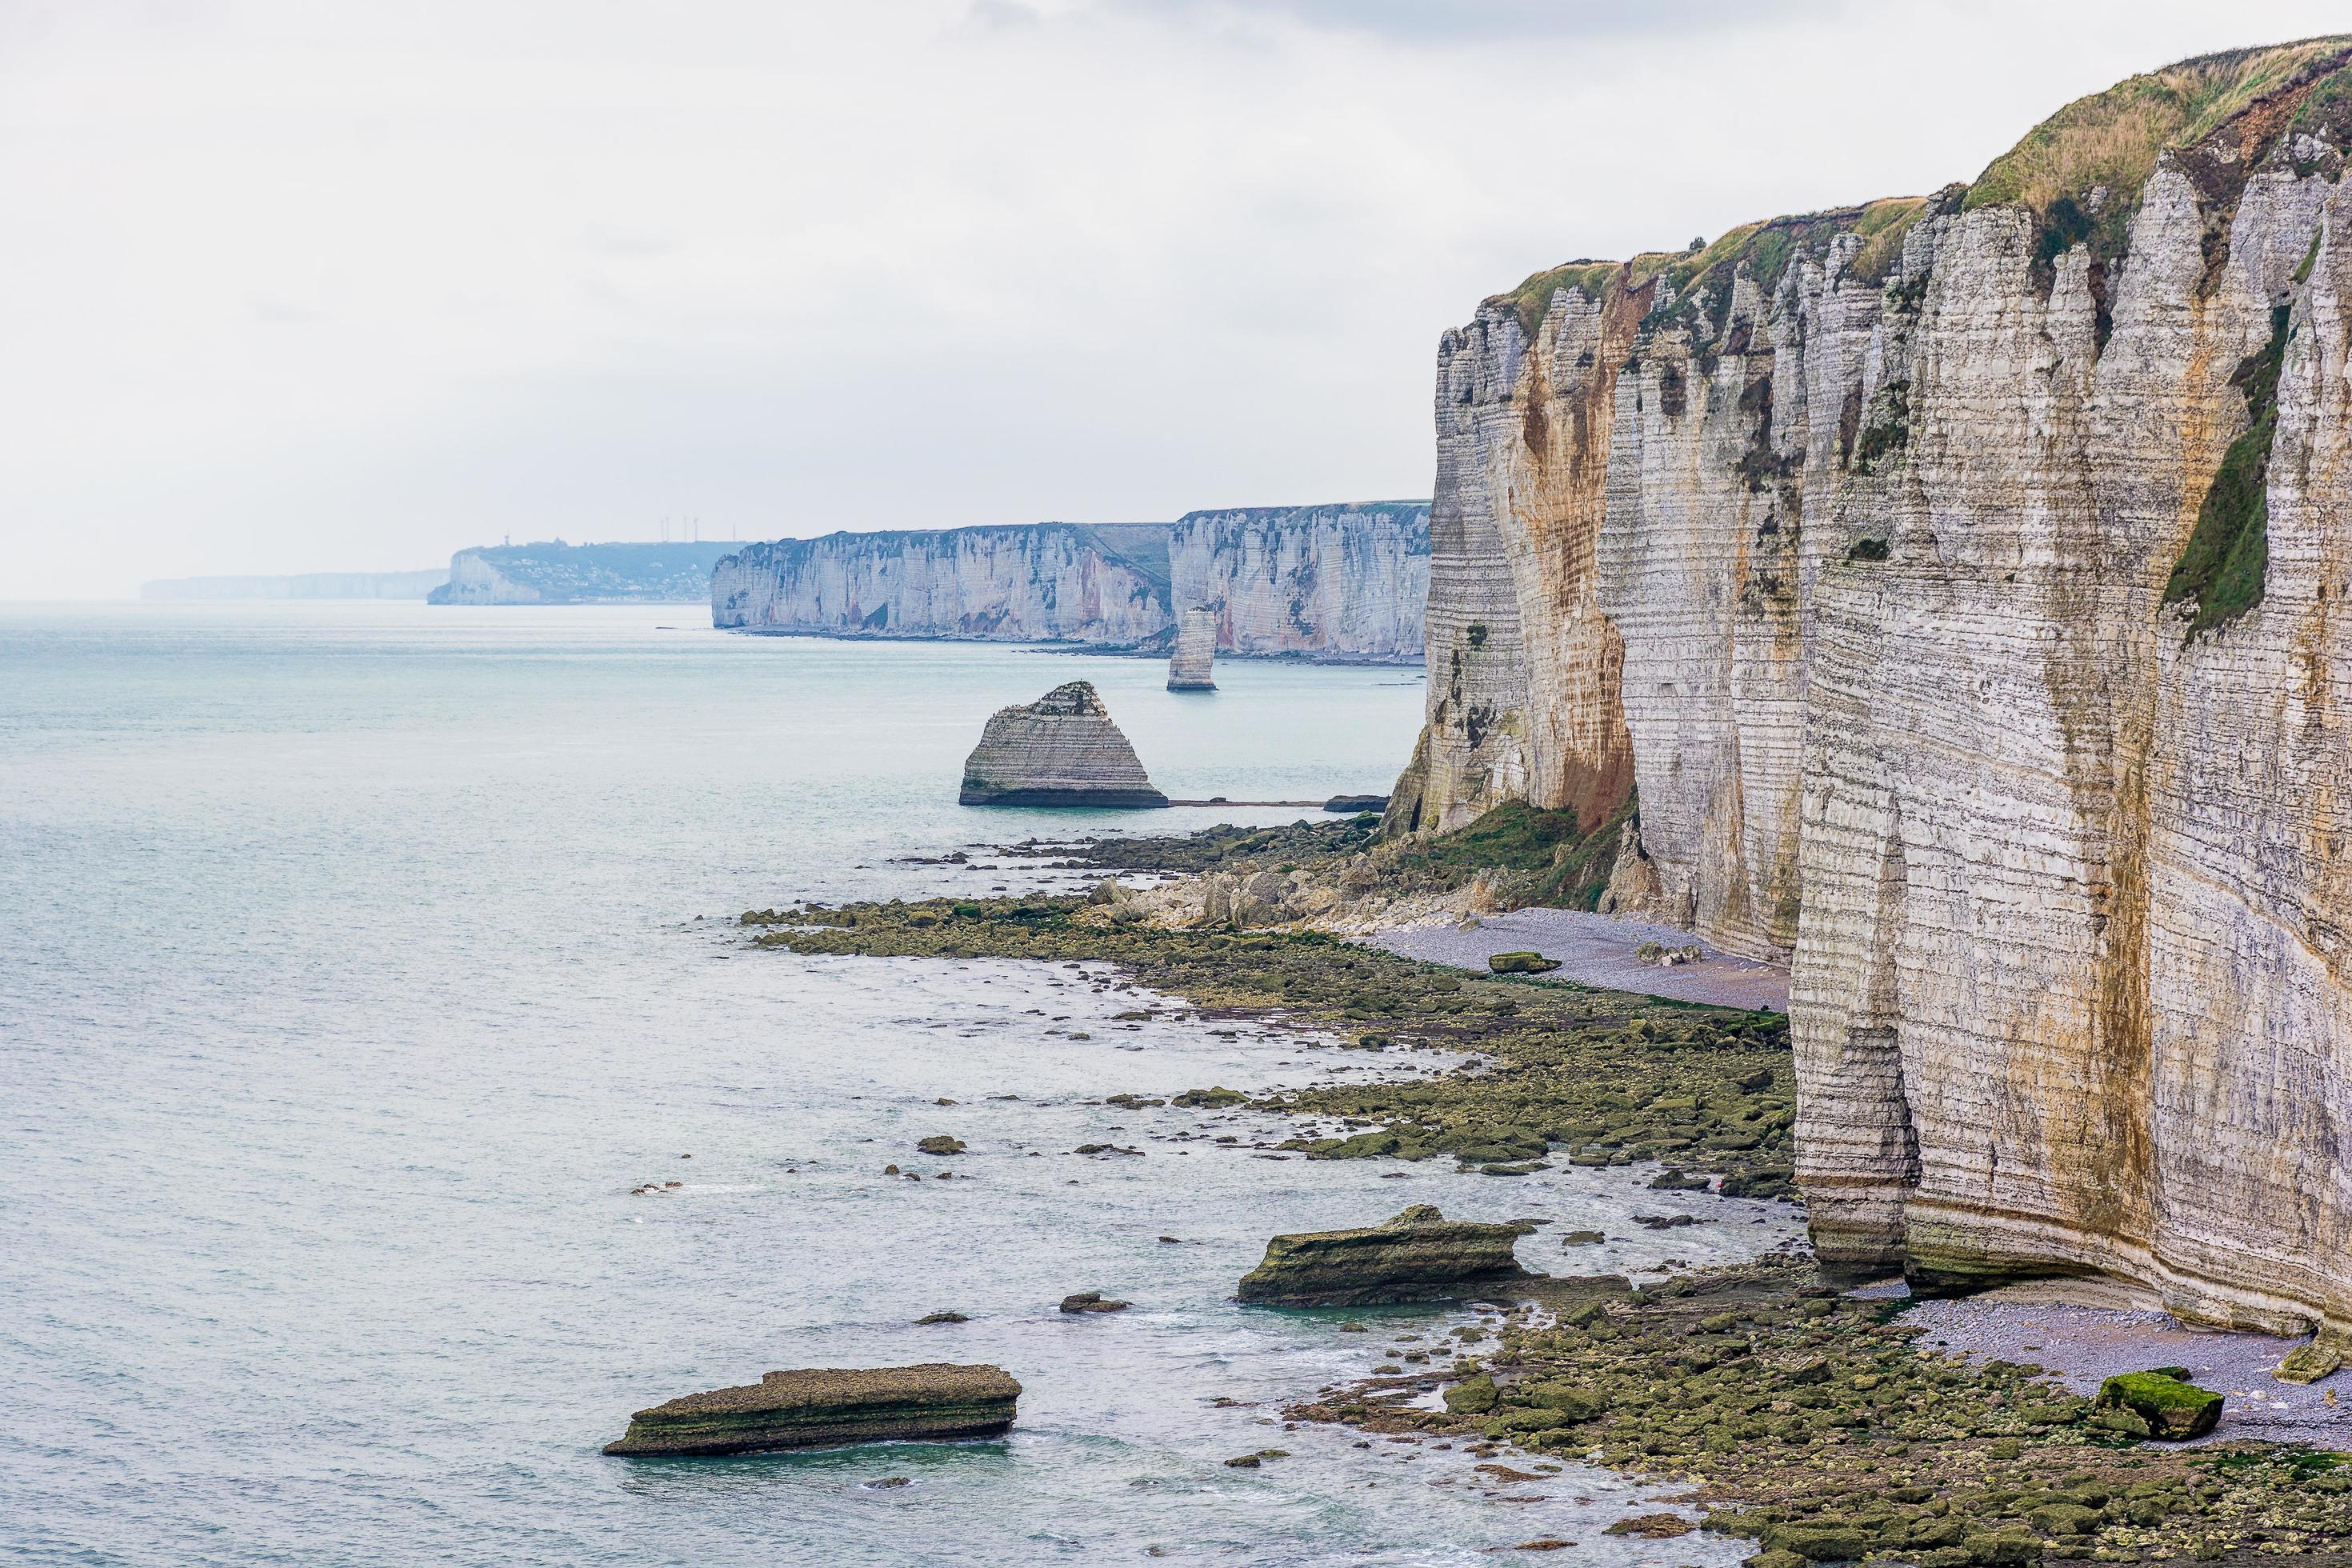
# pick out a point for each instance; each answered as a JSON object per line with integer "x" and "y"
{"x": 2228, "y": 554}
{"x": 2113, "y": 138}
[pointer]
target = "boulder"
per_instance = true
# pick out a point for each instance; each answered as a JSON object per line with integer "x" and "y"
{"x": 824, "y": 1407}
{"x": 1521, "y": 964}
{"x": 1419, "y": 1256}
{"x": 1061, "y": 749}
{"x": 1091, "y": 1302}
{"x": 2174, "y": 1408}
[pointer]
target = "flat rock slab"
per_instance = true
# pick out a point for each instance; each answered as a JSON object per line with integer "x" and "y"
{"x": 1419, "y": 1256}
{"x": 1594, "y": 950}
{"x": 826, "y": 1407}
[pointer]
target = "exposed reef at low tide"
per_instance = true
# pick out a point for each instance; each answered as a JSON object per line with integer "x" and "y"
{"x": 1418, "y": 1256}
{"x": 824, "y": 1407}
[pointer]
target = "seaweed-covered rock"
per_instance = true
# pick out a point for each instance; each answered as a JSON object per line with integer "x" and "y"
{"x": 820, "y": 1408}
{"x": 940, "y": 1144}
{"x": 1418, "y": 1256}
{"x": 1091, "y": 1302}
{"x": 2174, "y": 1408}
{"x": 1061, "y": 749}
{"x": 2309, "y": 1363}
{"x": 1521, "y": 964}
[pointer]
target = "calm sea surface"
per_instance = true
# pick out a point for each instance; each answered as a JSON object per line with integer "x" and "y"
{"x": 350, "y": 979}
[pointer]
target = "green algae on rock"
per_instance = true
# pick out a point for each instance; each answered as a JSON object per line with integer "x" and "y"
{"x": 825, "y": 1407}
{"x": 2174, "y": 1408}
{"x": 1521, "y": 964}
{"x": 1418, "y": 1256}
{"x": 1822, "y": 1428}
{"x": 1615, "y": 1078}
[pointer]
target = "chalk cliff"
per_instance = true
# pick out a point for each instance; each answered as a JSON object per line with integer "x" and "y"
{"x": 1061, "y": 749}
{"x": 1336, "y": 582}
{"x": 1052, "y": 581}
{"x": 1956, "y": 582}
{"x": 1191, "y": 667}
{"x": 1322, "y": 582}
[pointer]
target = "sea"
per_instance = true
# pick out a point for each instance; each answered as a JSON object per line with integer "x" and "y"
{"x": 392, "y": 1105}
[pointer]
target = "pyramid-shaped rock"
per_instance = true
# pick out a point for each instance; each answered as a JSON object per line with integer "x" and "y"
{"x": 1061, "y": 749}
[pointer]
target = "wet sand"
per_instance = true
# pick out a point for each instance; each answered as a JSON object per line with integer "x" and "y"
{"x": 1597, "y": 950}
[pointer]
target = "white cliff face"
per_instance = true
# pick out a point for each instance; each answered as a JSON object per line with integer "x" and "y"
{"x": 1052, "y": 581}
{"x": 1192, "y": 667}
{"x": 1949, "y": 669}
{"x": 1342, "y": 583}
{"x": 1330, "y": 582}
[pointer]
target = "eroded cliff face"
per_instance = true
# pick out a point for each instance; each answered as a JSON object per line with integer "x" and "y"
{"x": 1966, "y": 605}
{"x": 1049, "y": 583}
{"x": 1341, "y": 583}
{"x": 1328, "y": 582}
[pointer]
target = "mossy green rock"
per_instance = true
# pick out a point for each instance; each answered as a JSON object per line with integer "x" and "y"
{"x": 1472, "y": 1396}
{"x": 1521, "y": 964}
{"x": 1418, "y": 1256}
{"x": 822, "y": 1408}
{"x": 2175, "y": 1409}
{"x": 1822, "y": 1540}
{"x": 2308, "y": 1363}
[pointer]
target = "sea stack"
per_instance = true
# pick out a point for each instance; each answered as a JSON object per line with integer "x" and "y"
{"x": 1061, "y": 749}
{"x": 1196, "y": 650}
{"x": 827, "y": 1407}
{"x": 1419, "y": 1256}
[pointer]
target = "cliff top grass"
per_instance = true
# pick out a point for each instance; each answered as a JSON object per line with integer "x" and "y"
{"x": 2115, "y": 138}
{"x": 1531, "y": 301}
{"x": 1764, "y": 248}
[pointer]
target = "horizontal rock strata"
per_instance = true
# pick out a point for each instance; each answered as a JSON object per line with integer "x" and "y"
{"x": 1343, "y": 582}
{"x": 1192, "y": 666}
{"x": 820, "y": 1408}
{"x": 1061, "y": 749}
{"x": 1957, "y": 583}
{"x": 1419, "y": 1256}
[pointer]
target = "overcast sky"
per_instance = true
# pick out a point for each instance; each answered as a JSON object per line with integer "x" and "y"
{"x": 295, "y": 285}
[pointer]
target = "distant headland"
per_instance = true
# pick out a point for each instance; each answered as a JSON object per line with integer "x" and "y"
{"x": 555, "y": 572}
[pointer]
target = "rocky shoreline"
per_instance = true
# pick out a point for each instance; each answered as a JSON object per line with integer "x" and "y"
{"x": 1818, "y": 1425}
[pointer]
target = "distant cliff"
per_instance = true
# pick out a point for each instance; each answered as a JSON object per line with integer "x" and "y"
{"x": 1331, "y": 582}
{"x": 305, "y": 585}
{"x": 1050, "y": 581}
{"x": 1335, "y": 581}
{"x": 561, "y": 574}
{"x": 1957, "y": 585}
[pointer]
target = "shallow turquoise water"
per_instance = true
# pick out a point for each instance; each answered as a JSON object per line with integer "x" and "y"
{"x": 352, "y": 980}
